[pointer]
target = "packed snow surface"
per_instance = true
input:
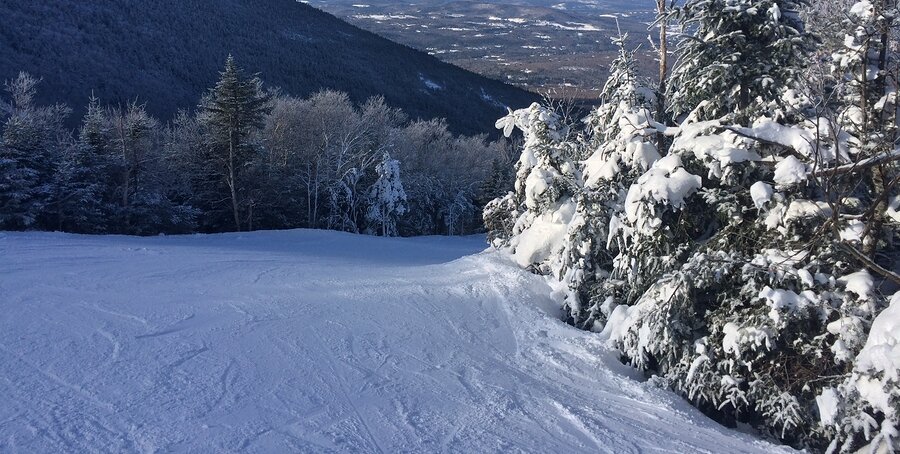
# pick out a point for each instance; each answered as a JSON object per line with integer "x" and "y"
{"x": 310, "y": 341}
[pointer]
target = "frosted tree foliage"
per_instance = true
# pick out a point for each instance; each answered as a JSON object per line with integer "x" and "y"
{"x": 31, "y": 146}
{"x": 250, "y": 158}
{"x": 622, "y": 147}
{"x": 748, "y": 264}
{"x": 546, "y": 179}
{"x": 737, "y": 57}
{"x": 387, "y": 198}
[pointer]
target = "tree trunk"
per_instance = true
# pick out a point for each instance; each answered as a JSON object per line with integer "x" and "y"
{"x": 663, "y": 70}
{"x": 250, "y": 216}
{"x": 864, "y": 95}
{"x": 126, "y": 178}
{"x": 309, "y": 210}
{"x": 232, "y": 184}
{"x": 315, "y": 218}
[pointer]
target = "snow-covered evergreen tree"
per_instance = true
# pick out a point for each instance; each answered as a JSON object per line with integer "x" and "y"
{"x": 737, "y": 57}
{"x": 122, "y": 163}
{"x": 546, "y": 180}
{"x": 33, "y": 139}
{"x": 387, "y": 199}
{"x": 83, "y": 180}
{"x": 623, "y": 147}
{"x": 499, "y": 217}
{"x": 741, "y": 265}
{"x": 865, "y": 408}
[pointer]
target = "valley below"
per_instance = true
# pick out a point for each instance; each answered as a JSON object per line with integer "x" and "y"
{"x": 561, "y": 48}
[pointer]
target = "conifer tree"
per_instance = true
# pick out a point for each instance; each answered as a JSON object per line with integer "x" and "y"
{"x": 748, "y": 255}
{"x": 233, "y": 112}
{"x": 738, "y": 57}
{"x": 546, "y": 180}
{"x": 622, "y": 150}
{"x": 496, "y": 183}
{"x": 33, "y": 138}
{"x": 85, "y": 201}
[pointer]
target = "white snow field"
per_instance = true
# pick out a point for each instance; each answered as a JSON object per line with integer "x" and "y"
{"x": 310, "y": 341}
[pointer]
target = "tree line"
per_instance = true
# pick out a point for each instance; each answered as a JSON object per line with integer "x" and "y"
{"x": 248, "y": 158}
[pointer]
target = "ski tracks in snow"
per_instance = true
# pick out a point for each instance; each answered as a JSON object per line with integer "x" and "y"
{"x": 309, "y": 341}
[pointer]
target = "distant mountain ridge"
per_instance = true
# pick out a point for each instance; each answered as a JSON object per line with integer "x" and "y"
{"x": 168, "y": 52}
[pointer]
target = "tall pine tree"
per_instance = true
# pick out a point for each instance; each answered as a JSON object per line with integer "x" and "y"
{"x": 85, "y": 201}
{"x": 233, "y": 112}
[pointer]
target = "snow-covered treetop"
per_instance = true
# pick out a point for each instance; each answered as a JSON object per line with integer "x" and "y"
{"x": 740, "y": 56}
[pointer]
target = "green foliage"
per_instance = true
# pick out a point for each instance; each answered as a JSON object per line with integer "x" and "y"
{"x": 740, "y": 265}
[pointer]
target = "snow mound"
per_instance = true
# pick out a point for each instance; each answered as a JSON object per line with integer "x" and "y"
{"x": 861, "y": 283}
{"x": 545, "y": 237}
{"x": 881, "y": 353}
{"x": 790, "y": 171}
{"x": 761, "y": 193}
{"x": 666, "y": 183}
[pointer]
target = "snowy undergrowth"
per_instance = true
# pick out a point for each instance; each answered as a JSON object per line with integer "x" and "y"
{"x": 310, "y": 341}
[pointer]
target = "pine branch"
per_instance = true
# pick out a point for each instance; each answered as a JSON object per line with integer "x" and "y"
{"x": 743, "y": 132}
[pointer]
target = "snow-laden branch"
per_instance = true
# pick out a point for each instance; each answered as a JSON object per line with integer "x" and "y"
{"x": 870, "y": 264}
{"x": 860, "y": 165}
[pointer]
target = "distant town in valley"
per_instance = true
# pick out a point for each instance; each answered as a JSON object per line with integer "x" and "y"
{"x": 562, "y": 47}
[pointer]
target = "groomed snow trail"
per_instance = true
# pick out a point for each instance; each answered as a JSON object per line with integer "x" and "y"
{"x": 309, "y": 341}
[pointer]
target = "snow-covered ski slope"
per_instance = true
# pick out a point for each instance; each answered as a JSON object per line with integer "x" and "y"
{"x": 309, "y": 341}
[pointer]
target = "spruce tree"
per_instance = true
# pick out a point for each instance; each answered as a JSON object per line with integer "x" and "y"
{"x": 86, "y": 202}
{"x": 233, "y": 112}
{"x": 623, "y": 148}
{"x": 738, "y": 57}
{"x": 741, "y": 268}
{"x": 33, "y": 139}
{"x": 546, "y": 180}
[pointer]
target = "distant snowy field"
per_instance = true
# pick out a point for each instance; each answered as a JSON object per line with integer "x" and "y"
{"x": 309, "y": 341}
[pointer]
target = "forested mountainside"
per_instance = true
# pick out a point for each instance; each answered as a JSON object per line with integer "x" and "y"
{"x": 167, "y": 52}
